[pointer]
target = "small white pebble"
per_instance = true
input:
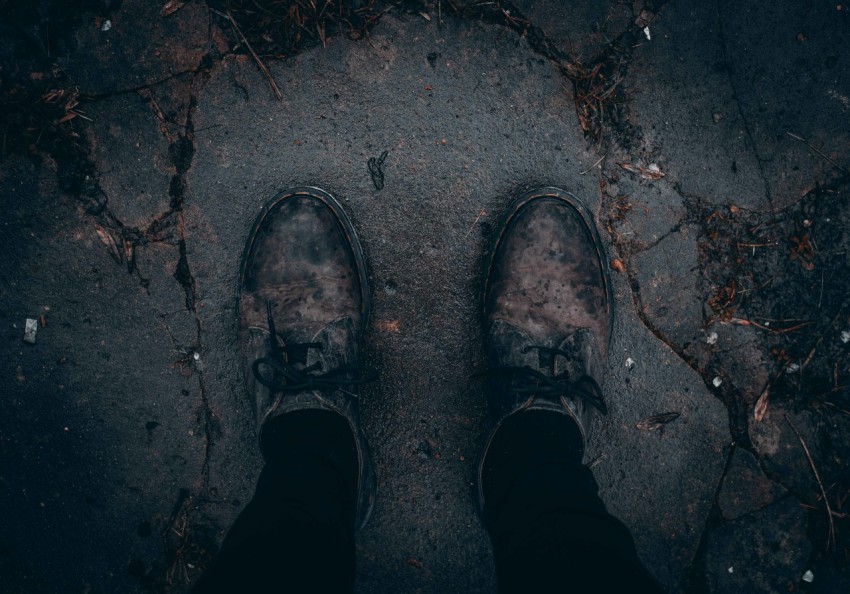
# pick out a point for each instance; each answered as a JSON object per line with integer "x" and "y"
{"x": 630, "y": 363}
{"x": 197, "y": 356}
{"x": 845, "y": 336}
{"x": 646, "y": 32}
{"x": 711, "y": 338}
{"x": 808, "y": 576}
{"x": 716, "y": 382}
{"x": 654, "y": 167}
{"x": 731, "y": 569}
{"x": 107, "y": 25}
{"x": 191, "y": 432}
{"x": 793, "y": 367}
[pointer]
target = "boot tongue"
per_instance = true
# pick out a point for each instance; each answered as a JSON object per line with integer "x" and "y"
{"x": 586, "y": 358}
{"x": 339, "y": 343}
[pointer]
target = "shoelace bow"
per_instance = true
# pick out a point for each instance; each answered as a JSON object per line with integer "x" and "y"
{"x": 286, "y": 378}
{"x": 527, "y": 381}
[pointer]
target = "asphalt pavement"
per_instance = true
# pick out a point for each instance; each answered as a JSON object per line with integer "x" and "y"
{"x": 127, "y": 445}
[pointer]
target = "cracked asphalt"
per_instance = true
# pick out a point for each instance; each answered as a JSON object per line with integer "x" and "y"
{"x": 127, "y": 446}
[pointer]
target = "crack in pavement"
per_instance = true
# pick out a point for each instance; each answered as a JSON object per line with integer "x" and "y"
{"x": 166, "y": 228}
{"x": 726, "y": 67}
{"x": 699, "y": 211}
{"x": 695, "y": 575}
{"x": 738, "y": 429}
{"x": 181, "y": 152}
{"x": 187, "y": 542}
{"x": 694, "y": 206}
{"x": 93, "y": 97}
{"x": 598, "y": 98}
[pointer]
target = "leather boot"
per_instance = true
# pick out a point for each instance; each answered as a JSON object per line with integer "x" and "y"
{"x": 303, "y": 307}
{"x": 547, "y": 313}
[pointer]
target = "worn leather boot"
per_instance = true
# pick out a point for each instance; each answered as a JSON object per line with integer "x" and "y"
{"x": 547, "y": 314}
{"x": 303, "y": 306}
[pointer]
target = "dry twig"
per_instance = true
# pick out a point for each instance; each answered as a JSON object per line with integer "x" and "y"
{"x": 594, "y": 165}
{"x": 257, "y": 59}
{"x": 481, "y": 213}
{"x": 830, "y": 538}
{"x": 743, "y": 322}
{"x": 806, "y": 142}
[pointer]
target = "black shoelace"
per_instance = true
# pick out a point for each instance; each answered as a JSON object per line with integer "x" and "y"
{"x": 525, "y": 381}
{"x": 286, "y": 378}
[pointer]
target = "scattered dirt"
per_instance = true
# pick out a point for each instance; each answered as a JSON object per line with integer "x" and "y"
{"x": 276, "y": 29}
{"x": 784, "y": 277}
{"x": 40, "y": 112}
{"x": 775, "y": 327}
{"x": 787, "y": 276}
{"x": 273, "y": 29}
{"x": 600, "y": 96}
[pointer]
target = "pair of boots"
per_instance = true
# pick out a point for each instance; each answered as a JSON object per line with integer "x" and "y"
{"x": 303, "y": 307}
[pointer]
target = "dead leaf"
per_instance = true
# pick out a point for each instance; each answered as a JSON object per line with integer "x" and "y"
{"x": 107, "y": 240}
{"x": 388, "y": 325}
{"x": 651, "y": 173}
{"x": 617, "y": 264}
{"x": 414, "y": 563}
{"x": 171, "y": 7}
{"x": 657, "y": 421}
{"x": 761, "y": 405}
{"x": 53, "y": 95}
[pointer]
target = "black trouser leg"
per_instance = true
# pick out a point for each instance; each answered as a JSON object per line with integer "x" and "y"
{"x": 297, "y": 533}
{"x": 550, "y": 530}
